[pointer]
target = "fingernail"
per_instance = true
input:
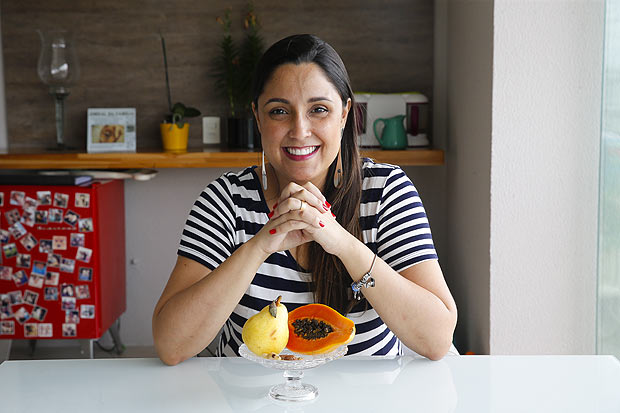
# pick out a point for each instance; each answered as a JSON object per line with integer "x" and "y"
{"x": 328, "y": 204}
{"x": 270, "y": 214}
{"x": 325, "y": 207}
{"x": 321, "y": 224}
{"x": 334, "y": 215}
{"x": 274, "y": 206}
{"x": 272, "y": 231}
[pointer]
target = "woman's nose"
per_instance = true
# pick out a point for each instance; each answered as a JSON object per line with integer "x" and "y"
{"x": 300, "y": 126}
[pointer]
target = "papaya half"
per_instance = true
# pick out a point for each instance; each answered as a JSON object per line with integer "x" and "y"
{"x": 318, "y": 329}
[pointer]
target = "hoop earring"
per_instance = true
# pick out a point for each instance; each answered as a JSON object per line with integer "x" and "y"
{"x": 263, "y": 172}
{"x": 338, "y": 173}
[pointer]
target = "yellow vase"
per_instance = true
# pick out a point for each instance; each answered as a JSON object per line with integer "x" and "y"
{"x": 174, "y": 138}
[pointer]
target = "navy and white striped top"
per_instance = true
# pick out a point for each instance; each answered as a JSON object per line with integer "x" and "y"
{"x": 232, "y": 209}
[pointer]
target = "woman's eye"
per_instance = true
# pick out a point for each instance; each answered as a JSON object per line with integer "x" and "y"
{"x": 277, "y": 111}
{"x": 320, "y": 109}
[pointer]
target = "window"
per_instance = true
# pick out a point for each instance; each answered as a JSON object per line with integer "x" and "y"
{"x": 608, "y": 312}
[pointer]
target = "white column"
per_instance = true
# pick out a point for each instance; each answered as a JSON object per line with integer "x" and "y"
{"x": 547, "y": 69}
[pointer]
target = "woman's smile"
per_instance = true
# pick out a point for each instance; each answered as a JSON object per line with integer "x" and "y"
{"x": 297, "y": 153}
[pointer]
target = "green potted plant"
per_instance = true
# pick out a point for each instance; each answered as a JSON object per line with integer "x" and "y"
{"x": 174, "y": 129}
{"x": 233, "y": 71}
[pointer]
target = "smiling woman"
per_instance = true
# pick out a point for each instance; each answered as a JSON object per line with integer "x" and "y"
{"x": 323, "y": 225}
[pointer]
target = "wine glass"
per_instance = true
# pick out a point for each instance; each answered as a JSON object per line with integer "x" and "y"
{"x": 58, "y": 68}
{"x": 293, "y": 390}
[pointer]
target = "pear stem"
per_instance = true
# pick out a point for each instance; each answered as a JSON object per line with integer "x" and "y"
{"x": 273, "y": 306}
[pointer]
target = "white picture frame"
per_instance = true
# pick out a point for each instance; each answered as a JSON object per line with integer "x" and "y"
{"x": 111, "y": 130}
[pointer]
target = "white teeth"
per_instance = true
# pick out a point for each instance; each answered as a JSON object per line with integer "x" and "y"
{"x": 301, "y": 151}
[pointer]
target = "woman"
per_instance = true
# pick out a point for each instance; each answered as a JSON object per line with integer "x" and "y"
{"x": 315, "y": 226}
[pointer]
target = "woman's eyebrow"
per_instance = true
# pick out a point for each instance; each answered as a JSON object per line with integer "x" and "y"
{"x": 279, "y": 100}
{"x": 311, "y": 100}
{"x": 318, "y": 99}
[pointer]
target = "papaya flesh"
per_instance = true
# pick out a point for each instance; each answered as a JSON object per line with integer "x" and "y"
{"x": 318, "y": 329}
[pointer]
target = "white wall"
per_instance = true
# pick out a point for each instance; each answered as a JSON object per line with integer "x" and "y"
{"x": 155, "y": 212}
{"x": 544, "y": 175}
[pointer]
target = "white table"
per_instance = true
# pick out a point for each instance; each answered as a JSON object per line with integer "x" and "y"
{"x": 454, "y": 384}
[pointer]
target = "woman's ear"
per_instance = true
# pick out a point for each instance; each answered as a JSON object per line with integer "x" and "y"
{"x": 256, "y": 116}
{"x": 345, "y": 112}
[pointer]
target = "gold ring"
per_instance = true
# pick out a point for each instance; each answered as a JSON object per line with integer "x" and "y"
{"x": 302, "y": 206}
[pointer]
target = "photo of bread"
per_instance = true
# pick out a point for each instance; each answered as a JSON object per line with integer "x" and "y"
{"x": 108, "y": 133}
{"x": 110, "y": 130}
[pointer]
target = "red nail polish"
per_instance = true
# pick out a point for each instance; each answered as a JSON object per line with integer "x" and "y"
{"x": 321, "y": 224}
{"x": 328, "y": 204}
{"x": 274, "y": 206}
{"x": 269, "y": 215}
{"x": 325, "y": 207}
{"x": 334, "y": 215}
{"x": 272, "y": 231}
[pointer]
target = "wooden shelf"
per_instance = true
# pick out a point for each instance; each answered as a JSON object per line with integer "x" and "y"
{"x": 197, "y": 158}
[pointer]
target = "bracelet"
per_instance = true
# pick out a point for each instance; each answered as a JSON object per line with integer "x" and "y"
{"x": 367, "y": 281}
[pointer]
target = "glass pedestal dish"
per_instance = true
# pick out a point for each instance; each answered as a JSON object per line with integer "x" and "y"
{"x": 293, "y": 390}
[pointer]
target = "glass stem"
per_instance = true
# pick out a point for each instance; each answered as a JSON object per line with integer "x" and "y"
{"x": 60, "y": 117}
{"x": 293, "y": 378}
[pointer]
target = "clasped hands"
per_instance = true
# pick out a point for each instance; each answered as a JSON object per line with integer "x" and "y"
{"x": 301, "y": 214}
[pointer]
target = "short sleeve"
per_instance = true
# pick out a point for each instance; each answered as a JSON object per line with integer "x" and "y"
{"x": 208, "y": 235}
{"x": 404, "y": 234}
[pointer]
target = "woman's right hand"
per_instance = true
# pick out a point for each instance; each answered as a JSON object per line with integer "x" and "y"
{"x": 299, "y": 207}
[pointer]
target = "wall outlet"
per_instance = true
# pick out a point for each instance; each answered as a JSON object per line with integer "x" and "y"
{"x": 210, "y": 130}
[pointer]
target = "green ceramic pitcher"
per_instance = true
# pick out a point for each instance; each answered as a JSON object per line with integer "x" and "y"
{"x": 393, "y": 135}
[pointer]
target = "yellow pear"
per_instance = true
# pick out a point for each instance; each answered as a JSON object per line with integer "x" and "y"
{"x": 267, "y": 331}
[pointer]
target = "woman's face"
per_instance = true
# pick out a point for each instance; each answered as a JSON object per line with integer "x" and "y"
{"x": 300, "y": 116}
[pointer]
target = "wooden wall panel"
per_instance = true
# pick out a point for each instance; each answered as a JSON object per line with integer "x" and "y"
{"x": 386, "y": 45}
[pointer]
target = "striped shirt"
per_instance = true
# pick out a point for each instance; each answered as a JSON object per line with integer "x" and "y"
{"x": 232, "y": 209}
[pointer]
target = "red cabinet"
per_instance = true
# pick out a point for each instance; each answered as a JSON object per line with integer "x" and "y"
{"x": 62, "y": 264}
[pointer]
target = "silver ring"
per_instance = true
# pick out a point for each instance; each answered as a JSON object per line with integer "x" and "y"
{"x": 302, "y": 206}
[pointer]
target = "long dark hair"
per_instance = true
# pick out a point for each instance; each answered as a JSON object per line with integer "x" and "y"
{"x": 330, "y": 278}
